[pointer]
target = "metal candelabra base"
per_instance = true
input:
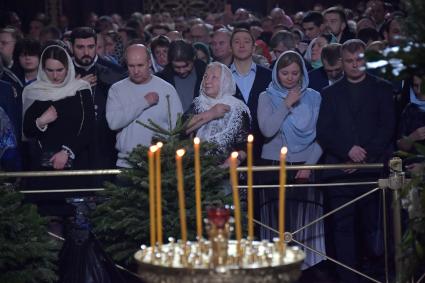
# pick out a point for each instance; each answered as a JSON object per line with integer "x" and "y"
{"x": 256, "y": 262}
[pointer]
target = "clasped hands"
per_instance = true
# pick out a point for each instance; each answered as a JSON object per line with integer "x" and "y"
{"x": 357, "y": 154}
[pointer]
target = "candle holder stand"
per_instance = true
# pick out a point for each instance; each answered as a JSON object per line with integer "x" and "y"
{"x": 219, "y": 259}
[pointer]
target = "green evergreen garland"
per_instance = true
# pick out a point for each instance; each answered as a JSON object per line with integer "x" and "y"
{"x": 401, "y": 63}
{"x": 407, "y": 60}
{"x": 413, "y": 242}
{"x": 122, "y": 222}
{"x": 27, "y": 253}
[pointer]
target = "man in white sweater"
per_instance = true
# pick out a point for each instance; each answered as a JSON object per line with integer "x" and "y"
{"x": 139, "y": 97}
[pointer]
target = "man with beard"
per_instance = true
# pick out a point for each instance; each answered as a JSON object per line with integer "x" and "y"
{"x": 183, "y": 71}
{"x": 101, "y": 74}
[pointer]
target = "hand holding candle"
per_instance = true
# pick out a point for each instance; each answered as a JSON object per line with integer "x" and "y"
{"x": 180, "y": 189}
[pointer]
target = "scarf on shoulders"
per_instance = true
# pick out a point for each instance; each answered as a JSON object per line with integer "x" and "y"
{"x": 299, "y": 127}
{"x": 221, "y": 131}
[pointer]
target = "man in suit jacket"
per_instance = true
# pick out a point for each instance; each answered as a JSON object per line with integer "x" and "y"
{"x": 251, "y": 79}
{"x": 355, "y": 125}
{"x": 331, "y": 71}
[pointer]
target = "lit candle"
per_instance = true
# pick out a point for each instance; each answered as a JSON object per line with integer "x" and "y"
{"x": 250, "y": 192}
{"x": 158, "y": 193}
{"x": 282, "y": 183}
{"x": 234, "y": 180}
{"x": 196, "y": 142}
{"x": 151, "y": 157}
{"x": 180, "y": 190}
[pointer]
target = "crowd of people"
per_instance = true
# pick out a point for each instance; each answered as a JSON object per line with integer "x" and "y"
{"x": 71, "y": 99}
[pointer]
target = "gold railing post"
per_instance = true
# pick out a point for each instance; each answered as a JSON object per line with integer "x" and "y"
{"x": 395, "y": 183}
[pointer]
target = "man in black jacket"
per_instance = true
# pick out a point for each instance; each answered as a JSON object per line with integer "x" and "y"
{"x": 336, "y": 22}
{"x": 355, "y": 125}
{"x": 101, "y": 74}
{"x": 330, "y": 72}
{"x": 183, "y": 71}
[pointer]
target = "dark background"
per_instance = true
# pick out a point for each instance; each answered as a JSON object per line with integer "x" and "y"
{"x": 77, "y": 10}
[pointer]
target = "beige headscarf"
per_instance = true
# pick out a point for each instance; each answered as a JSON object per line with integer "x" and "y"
{"x": 44, "y": 90}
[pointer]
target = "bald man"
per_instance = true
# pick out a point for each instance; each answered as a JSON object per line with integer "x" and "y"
{"x": 139, "y": 97}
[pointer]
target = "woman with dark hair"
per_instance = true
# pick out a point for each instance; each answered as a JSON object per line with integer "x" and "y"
{"x": 287, "y": 116}
{"x": 202, "y": 52}
{"x": 59, "y": 115}
{"x": 27, "y": 52}
{"x": 159, "y": 52}
{"x": 58, "y": 112}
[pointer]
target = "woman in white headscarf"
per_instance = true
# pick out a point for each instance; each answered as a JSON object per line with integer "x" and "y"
{"x": 228, "y": 128}
{"x": 59, "y": 112}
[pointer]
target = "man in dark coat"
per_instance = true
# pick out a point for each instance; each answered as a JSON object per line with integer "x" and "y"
{"x": 355, "y": 125}
{"x": 101, "y": 74}
{"x": 331, "y": 70}
{"x": 336, "y": 22}
{"x": 183, "y": 71}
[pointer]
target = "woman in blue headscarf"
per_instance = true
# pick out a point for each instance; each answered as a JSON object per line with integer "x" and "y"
{"x": 287, "y": 116}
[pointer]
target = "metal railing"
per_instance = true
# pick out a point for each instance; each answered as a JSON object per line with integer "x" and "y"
{"x": 382, "y": 185}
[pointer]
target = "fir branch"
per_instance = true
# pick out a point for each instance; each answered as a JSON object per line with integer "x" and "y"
{"x": 122, "y": 222}
{"x": 28, "y": 253}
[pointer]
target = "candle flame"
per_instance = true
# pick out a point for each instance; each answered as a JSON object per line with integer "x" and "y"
{"x": 180, "y": 152}
{"x": 153, "y": 148}
{"x": 250, "y": 138}
{"x": 235, "y": 154}
{"x": 159, "y": 144}
{"x": 196, "y": 140}
{"x": 284, "y": 150}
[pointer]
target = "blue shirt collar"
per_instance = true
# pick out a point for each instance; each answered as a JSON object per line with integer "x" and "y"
{"x": 253, "y": 68}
